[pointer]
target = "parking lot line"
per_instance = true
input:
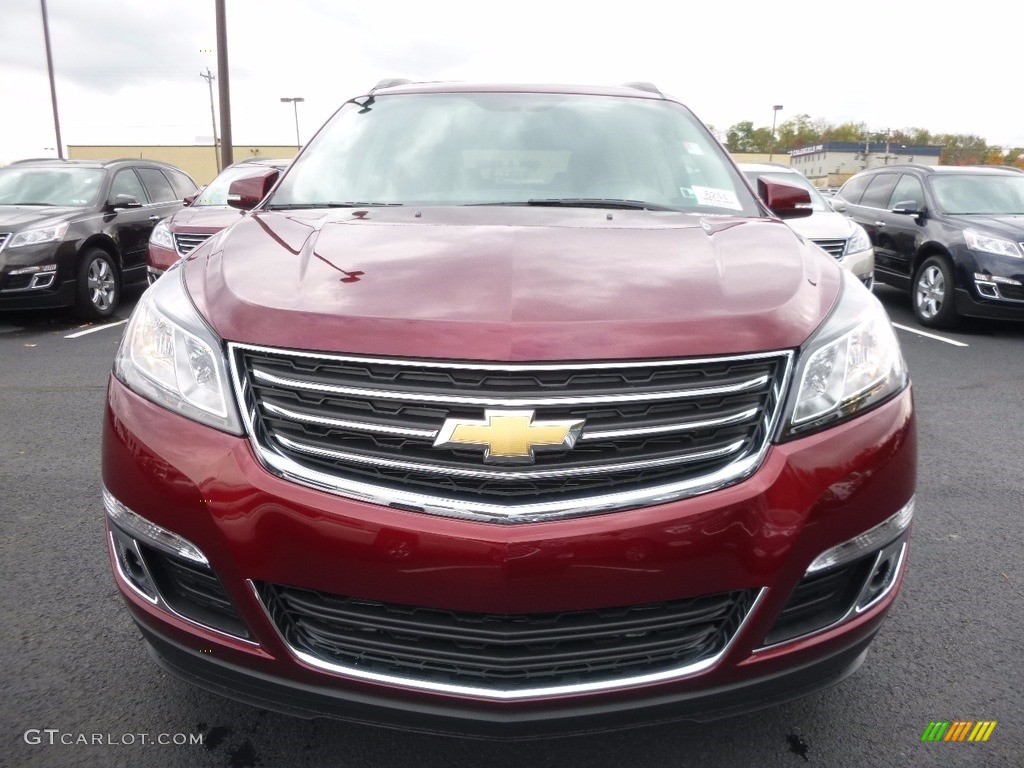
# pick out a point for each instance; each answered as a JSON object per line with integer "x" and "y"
{"x": 93, "y": 330}
{"x": 930, "y": 335}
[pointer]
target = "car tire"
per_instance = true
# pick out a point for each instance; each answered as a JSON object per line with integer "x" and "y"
{"x": 99, "y": 285}
{"x": 932, "y": 293}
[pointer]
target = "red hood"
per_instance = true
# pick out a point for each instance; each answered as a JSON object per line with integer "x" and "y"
{"x": 514, "y": 284}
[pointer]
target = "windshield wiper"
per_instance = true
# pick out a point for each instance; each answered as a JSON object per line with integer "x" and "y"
{"x": 332, "y": 204}
{"x": 598, "y": 202}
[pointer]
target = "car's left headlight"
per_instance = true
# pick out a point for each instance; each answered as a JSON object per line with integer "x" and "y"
{"x": 171, "y": 356}
{"x": 852, "y": 363}
{"x": 161, "y": 236}
{"x": 979, "y": 241}
{"x": 39, "y": 236}
{"x": 859, "y": 240}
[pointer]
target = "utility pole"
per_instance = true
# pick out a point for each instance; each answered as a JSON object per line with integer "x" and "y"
{"x": 53, "y": 87}
{"x": 226, "y": 142}
{"x": 209, "y": 77}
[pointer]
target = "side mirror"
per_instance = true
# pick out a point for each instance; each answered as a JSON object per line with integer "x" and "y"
{"x": 785, "y": 200}
{"x": 908, "y": 208}
{"x": 189, "y": 199}
{"x": 125, "y": 201}
{"x": 246, "y": 193}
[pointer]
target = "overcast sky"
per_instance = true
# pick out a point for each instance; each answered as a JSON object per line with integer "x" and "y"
{"x": 128, "y": 72}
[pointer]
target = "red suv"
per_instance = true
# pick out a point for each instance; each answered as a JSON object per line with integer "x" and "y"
{"x": 510, "y": 410}
{"x": 206, "y": 213}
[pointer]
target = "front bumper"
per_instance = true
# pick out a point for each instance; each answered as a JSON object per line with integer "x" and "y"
{"x": 989, "y": 286}
{"x": 760, "y": 535}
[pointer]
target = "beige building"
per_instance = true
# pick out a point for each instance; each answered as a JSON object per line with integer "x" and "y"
{"x": 199, "y": 162}
{"x": 781, "y": 158}
{"x": 831, "y": 163}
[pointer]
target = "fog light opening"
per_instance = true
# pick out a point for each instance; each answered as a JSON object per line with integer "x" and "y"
{"x": 131, "y": 565}
{"x": 884, "y": 573}
{"x": 880, "y": 576}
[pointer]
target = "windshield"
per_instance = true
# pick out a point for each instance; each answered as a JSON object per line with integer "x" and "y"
{"x": 515, "y": 149}
{"x": 794, "y": 180}
{"x": 970, "y": 195}
{"x": 76, "y": 187}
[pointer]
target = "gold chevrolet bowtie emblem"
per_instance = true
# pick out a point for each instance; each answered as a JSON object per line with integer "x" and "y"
{"x": 509, "y": 437}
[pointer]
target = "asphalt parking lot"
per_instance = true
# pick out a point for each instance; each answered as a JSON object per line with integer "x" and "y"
{"x": 74, "y": 667}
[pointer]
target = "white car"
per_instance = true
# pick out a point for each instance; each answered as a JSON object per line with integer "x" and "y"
{"x": 836, "y": 234}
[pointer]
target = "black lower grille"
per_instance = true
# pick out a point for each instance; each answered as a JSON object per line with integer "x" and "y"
{"x": 1014, "y": 292}
{"x": 504, "y": 651}
{"x": 194, "y": 591}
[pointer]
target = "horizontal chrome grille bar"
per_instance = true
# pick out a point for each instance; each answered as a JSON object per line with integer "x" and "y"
{"x": 360, "y": 426}
{"x": 613, "y": 434}
{"x": 519, "y": 474}
{"x": 491, "y": 401}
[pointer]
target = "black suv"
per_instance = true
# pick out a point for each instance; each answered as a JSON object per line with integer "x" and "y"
{"x": 73, "y": 231}
{"x": 952, "y": 235}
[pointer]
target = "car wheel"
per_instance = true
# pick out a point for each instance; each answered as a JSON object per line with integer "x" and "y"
{"x": 934, "y": 306}
{"x": 99, "y": 285}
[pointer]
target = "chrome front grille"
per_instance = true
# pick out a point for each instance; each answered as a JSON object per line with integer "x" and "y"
{"x": 187, "y": 242}
{"x": 367, "y": 428}
{"x": 835, "y": 247}
{"x": 3, "y": 239}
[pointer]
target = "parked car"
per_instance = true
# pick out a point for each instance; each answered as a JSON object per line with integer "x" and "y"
{"x": 836, "y": 234}
{"x": 951, "y": 235}
{"x": 72, "y": 232}
{"x": 206, "y": 213}
{"x": 510, "y": 410}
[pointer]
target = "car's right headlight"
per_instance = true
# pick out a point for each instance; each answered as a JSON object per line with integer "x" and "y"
{"x": 39, "y": 236}
{"x": 979, "y": 241}
{"x": 161, "y": 236}
{"x": 852, "y": 363}
{"x": 171, "y": 356}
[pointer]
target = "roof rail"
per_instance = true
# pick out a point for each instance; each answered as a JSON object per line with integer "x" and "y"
{"x": 39, "y": 160}
{"x": 391, "y": 82}
{"x": 644, "y": 86}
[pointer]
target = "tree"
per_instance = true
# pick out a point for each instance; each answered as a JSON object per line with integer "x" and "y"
{"x": 844, "y": 132}
{"x": 1014, "y": 157}
{"x": 800, "y": 131}
{"x": 743, "y": 137}
{"x": 961, "y": 149}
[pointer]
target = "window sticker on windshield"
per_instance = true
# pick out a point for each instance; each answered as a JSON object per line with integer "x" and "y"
{"x": 717, "y": 198}
{"x": 693, "y": 148}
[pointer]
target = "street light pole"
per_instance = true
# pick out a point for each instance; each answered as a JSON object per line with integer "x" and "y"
{"x": 295, "y": 105}
{"x": 775, "y": 113}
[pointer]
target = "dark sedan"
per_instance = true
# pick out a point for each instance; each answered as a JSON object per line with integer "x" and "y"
{"x": 72, "y": 232}
{"x": 952, "y": 235}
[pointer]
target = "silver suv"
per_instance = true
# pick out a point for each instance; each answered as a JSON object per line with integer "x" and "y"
{"x": 836, "y": 234}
